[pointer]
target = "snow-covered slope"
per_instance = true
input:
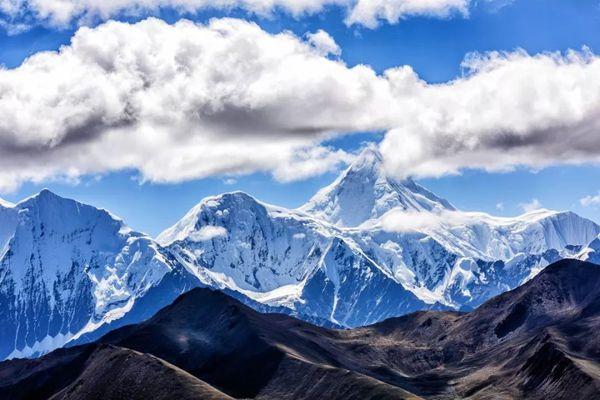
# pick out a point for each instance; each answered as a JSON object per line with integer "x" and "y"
{"x": 390, "y": 231}
{"x": 365, "y": 192}
{"x": 285, "y": 258}
{"x": 67, "y": 269}
{"x": 436, "y": 251}
{"x": 462, "y": 259}
{"x": 591, "y": 252}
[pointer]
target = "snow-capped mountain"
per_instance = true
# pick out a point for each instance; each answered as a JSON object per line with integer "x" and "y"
{"x": 364, "y": 229}
{"x": 439, "y": 253}
{"x": 365, "y": 192}
{"x": 68, "y": 269}
{"x": 462, "y": 259}
{"x": 363, "y": 249}
{"x": 285, "y": 258}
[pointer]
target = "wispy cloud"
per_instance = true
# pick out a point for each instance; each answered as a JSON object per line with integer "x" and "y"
{"x": 590, "y": 201}
{"x": 532, "y": 205}
{"x": 208, "y": 232}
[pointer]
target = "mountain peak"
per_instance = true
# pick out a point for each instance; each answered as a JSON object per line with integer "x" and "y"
{"x": 223, "y": 204}
{"x": 369, "y": 158}
{"x": 365, "y": 191}
{"x": 47, "y": 192}
{"x": 43, "y": 195}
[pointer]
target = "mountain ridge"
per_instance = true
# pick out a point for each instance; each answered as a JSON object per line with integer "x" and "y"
{"x": 231, "y": 350}
{"x": 70, "y": 272}
{"x": 444, "y": 260}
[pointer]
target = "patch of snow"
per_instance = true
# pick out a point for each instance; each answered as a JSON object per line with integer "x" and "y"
{"x": 43, "y": 346}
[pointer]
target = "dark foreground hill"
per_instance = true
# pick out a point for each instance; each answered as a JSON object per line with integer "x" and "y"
{"x": 539, "y": 341}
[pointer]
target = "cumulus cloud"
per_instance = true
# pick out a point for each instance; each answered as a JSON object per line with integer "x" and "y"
{"x": 590, "y": 201}
{"x": 178, "y": 102}
{"x": 509, "y": 109}
{"x": 186, "y": 101}
{"x": 532, "y": 205}
{"x": 324, "y": 43}
{"x": 370, "y": 12}
{"x": 17, "y": 13}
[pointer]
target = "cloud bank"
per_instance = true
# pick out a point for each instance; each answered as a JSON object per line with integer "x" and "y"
{"x": 17, "y": 14}
{"x": 186, "y": 101}
{"x": 510, "y": 109}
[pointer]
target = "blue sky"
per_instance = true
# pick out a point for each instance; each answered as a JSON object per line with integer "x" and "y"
{"x": 434, "y": 48}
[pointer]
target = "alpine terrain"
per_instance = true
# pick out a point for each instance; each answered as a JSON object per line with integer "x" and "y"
{"x": 366, "y": 248}
{"x": 537, "y": 342}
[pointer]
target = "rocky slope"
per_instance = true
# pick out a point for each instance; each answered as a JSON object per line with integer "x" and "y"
{"x": 535, "y": 342}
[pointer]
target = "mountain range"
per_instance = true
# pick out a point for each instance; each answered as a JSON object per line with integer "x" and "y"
{"x": 365, "y": 248}
{"x": 536, "y": 342}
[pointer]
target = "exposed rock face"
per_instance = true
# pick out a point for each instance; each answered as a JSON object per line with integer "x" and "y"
{"x": 537, "y": 342}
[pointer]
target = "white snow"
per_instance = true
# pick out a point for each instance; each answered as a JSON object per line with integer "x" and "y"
{"x": 43, "y": 346}
{"x": 6, "y": 203}
{"x": 66, "y": 246}
{"x": 364, "y": 192}
{"x": 108, "y": 317}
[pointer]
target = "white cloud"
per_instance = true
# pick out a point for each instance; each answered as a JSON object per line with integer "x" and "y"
{"x": 370, "y": 12}
{"x": 511, "y": 109}
{"x": 500, "y": 206}
{"x": 533, "y": 205}
{"x": 208, "y": 232}
{"x": 230, "y": 181}
{"x": 364, "y": 12}
{"x": 402, "y": 221}
{"x": 186, "y": 101}
{"x": 324, "y": 43}
{"x": 589, "y": 201}
{"x": 398, "y": 220}
{"x": 311, "y": 162}
{"x": 178, "y": 102}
